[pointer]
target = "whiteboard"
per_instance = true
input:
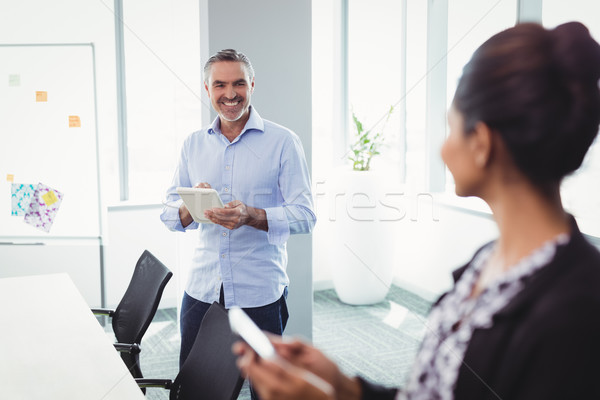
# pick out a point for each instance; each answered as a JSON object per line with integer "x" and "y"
{"x": 37, "y": 143}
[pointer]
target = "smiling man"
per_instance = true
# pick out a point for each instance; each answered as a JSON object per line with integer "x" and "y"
{"x": 260, "y": 172}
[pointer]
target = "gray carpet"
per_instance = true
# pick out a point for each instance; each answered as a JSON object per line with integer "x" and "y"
{"x": 378, "y": 342}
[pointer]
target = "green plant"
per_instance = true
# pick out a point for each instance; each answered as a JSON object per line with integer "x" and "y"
{"x": 367, "y": 143}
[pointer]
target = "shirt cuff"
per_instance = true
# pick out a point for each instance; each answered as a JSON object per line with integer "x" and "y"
{"x": 170, "y": 217}
{"x": 279, "y": 228}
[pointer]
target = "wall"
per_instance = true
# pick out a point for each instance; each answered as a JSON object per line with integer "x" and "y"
{"x": 276, "y": 36}
{"x": 131, "y": 230}
{"x": 80, "y": 259}
{"x": 433, "y": 237}
{"x": 429, "y": 250}
{"x": 66, "y": 21}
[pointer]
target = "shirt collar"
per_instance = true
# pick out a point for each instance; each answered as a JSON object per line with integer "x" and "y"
{"x": 254, "y": 123}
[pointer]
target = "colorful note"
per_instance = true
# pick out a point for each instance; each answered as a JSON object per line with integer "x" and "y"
{"x": 41, "y": 96}
{"x": 50, "y": 198}
{"x": 42, "y": 209}
{"x": 10, "y": 177}
{"x": 14, "y": 80}
{"x": 21, "y": 194}
{"x": 74, "y": 121}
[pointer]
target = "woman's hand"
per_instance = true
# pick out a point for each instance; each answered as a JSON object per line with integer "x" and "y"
{"x": 286, "y": 378}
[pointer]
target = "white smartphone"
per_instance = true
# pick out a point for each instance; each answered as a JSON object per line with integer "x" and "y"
{"x": 198, "y": 200}
{"x": 242, "y": 325}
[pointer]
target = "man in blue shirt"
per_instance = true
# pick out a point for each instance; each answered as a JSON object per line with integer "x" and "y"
{"x": 260, "y": 172}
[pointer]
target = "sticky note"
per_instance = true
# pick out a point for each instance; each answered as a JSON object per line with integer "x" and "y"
{"x": 74, "y": 121}
{"x": 49, "y": 198}
{"x": 41, "y": 96}
{"x": 10, "y": 177}
{"x": 14, "y": 80}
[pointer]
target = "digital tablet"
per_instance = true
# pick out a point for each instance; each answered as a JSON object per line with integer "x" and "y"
{"x": 197, "y": 200}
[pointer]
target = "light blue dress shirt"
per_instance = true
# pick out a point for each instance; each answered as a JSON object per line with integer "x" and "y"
{"x": 264, "y": 167}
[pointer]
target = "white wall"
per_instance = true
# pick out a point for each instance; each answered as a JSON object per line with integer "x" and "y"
{"x": 66, "y": 21}
{"x": 73, "y": 21}
{"x": 432, "y": 239}
{"x": 429, "y": 250}
{"x": 80, "y": 259}
{"x": 131, "y": 230}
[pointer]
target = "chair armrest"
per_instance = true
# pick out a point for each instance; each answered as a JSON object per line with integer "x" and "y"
{"x": 147, "y": 383}
{"x": 131, "y": 348}
{"x": 103, "y": 311}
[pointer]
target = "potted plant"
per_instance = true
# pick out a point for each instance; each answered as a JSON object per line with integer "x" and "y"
{"x": 362, "y": 254}
{"x": 367, "y": 143}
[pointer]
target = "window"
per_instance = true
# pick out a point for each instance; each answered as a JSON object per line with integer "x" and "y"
{"x": 163, "y": 87}
{"x": 375, "y": 75}
{"x": 416, "y": 92}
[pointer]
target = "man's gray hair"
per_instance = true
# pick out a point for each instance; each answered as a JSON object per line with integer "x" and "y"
{"x": 228, "y": 55}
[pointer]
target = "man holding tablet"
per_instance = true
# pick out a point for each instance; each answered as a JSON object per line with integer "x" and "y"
{"x": 259, "y": 170}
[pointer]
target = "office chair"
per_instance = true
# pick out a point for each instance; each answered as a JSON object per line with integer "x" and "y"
{"x": 210, "y": 371}
{"x": 135, "y": 311}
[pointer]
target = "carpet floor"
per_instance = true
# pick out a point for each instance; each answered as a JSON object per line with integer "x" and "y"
{"x": 378, "y": 342}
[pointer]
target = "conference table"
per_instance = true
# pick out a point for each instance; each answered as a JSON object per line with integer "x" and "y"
{"x": 52, "y": 346}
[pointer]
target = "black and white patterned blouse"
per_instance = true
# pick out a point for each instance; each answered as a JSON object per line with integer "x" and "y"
{"x": 452, "y": 322}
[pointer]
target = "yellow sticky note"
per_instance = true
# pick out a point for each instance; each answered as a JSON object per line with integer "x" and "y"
{"x": 74, "y": 121}
{"x": 41, "y": 96}
{"x": 50, "y": 198}
{"x": 10, "y": 177}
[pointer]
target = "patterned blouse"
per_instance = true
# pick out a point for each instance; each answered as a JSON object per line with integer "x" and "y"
{"x": 452, "y": 322}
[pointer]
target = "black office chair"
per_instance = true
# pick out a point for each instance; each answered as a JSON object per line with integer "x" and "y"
{"x": 135, "y": 311}
{"x": 209, "y": 372}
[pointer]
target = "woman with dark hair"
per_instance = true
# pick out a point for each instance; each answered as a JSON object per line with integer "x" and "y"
{"x": 523, "y": 318}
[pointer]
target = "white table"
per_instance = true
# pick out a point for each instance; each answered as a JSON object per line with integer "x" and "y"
{"x": 52, "y": 347}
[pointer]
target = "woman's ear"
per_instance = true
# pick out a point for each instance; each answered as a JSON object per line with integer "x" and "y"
{"x": 481, "y": 143}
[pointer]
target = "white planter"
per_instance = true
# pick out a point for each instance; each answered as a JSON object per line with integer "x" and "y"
{"x": 362, "y": 247}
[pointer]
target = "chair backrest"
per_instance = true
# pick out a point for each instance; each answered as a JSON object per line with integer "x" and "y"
{"x": 138, "y": 306}
{"x": 210, "y": 370}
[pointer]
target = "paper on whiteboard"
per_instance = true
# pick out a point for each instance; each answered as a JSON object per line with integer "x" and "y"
{"x": 20, "y": 194}
{"x": 43, "y": 207}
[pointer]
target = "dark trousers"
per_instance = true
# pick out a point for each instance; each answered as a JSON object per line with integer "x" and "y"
{"x": 271, "y": 318}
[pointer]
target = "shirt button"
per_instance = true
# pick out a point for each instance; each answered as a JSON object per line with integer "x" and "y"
{"x": 227, "y": 189}
{"x": 224, "y": 233}
{"x": 227, "y": 167}
{"x": 222, "y": 255}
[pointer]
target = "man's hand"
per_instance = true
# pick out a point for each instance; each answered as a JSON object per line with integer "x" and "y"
{"x": 236, "y": 214}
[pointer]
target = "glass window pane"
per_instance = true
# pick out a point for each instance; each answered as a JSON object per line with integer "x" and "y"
{"x": 416, "y": 93}
{"x": 324, "y": 80}
{"x": 163, "y": 86}
{"x": 375, "y": 71}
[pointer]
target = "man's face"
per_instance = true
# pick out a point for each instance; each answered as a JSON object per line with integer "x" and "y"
{"x": 229, "y": 88}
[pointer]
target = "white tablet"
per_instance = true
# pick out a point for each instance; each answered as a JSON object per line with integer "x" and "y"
{"x": 242, "y": 325}
{"x": 197, "y": 200}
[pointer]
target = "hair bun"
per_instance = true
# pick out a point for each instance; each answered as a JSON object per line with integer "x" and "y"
{"x": 576, "y": 53}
